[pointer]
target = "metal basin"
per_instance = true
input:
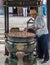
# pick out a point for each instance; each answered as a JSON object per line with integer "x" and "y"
{"x": 20, "y": 41}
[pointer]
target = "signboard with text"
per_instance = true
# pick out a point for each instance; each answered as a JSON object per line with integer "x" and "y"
{"x": 20, "y": 2}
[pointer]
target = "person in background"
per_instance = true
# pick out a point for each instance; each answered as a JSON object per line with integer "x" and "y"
{"x": 25, "y": 11}
{"x": 19, "y": 11}
{"x": 41, "y": 30}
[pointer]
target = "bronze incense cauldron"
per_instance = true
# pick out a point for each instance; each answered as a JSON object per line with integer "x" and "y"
{"x": 20, "y": 45}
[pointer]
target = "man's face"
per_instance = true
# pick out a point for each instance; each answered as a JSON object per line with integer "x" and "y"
{"x": 33, "y": 15}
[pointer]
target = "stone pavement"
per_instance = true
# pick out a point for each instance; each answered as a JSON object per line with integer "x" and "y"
{"x": 2, "y": 57}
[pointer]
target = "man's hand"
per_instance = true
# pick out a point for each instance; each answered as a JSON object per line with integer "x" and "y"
{"x": 36, "y": 28}
{"x": 26, "y": 28}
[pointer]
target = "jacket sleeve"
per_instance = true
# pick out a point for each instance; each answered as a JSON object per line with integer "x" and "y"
{"x": 40, "y": 22}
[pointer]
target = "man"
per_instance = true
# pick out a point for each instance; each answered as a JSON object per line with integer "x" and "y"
{"x": 41, "y": 30}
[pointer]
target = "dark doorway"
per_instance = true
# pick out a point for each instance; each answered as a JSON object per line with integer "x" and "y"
{"x": 14, "y": 10}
